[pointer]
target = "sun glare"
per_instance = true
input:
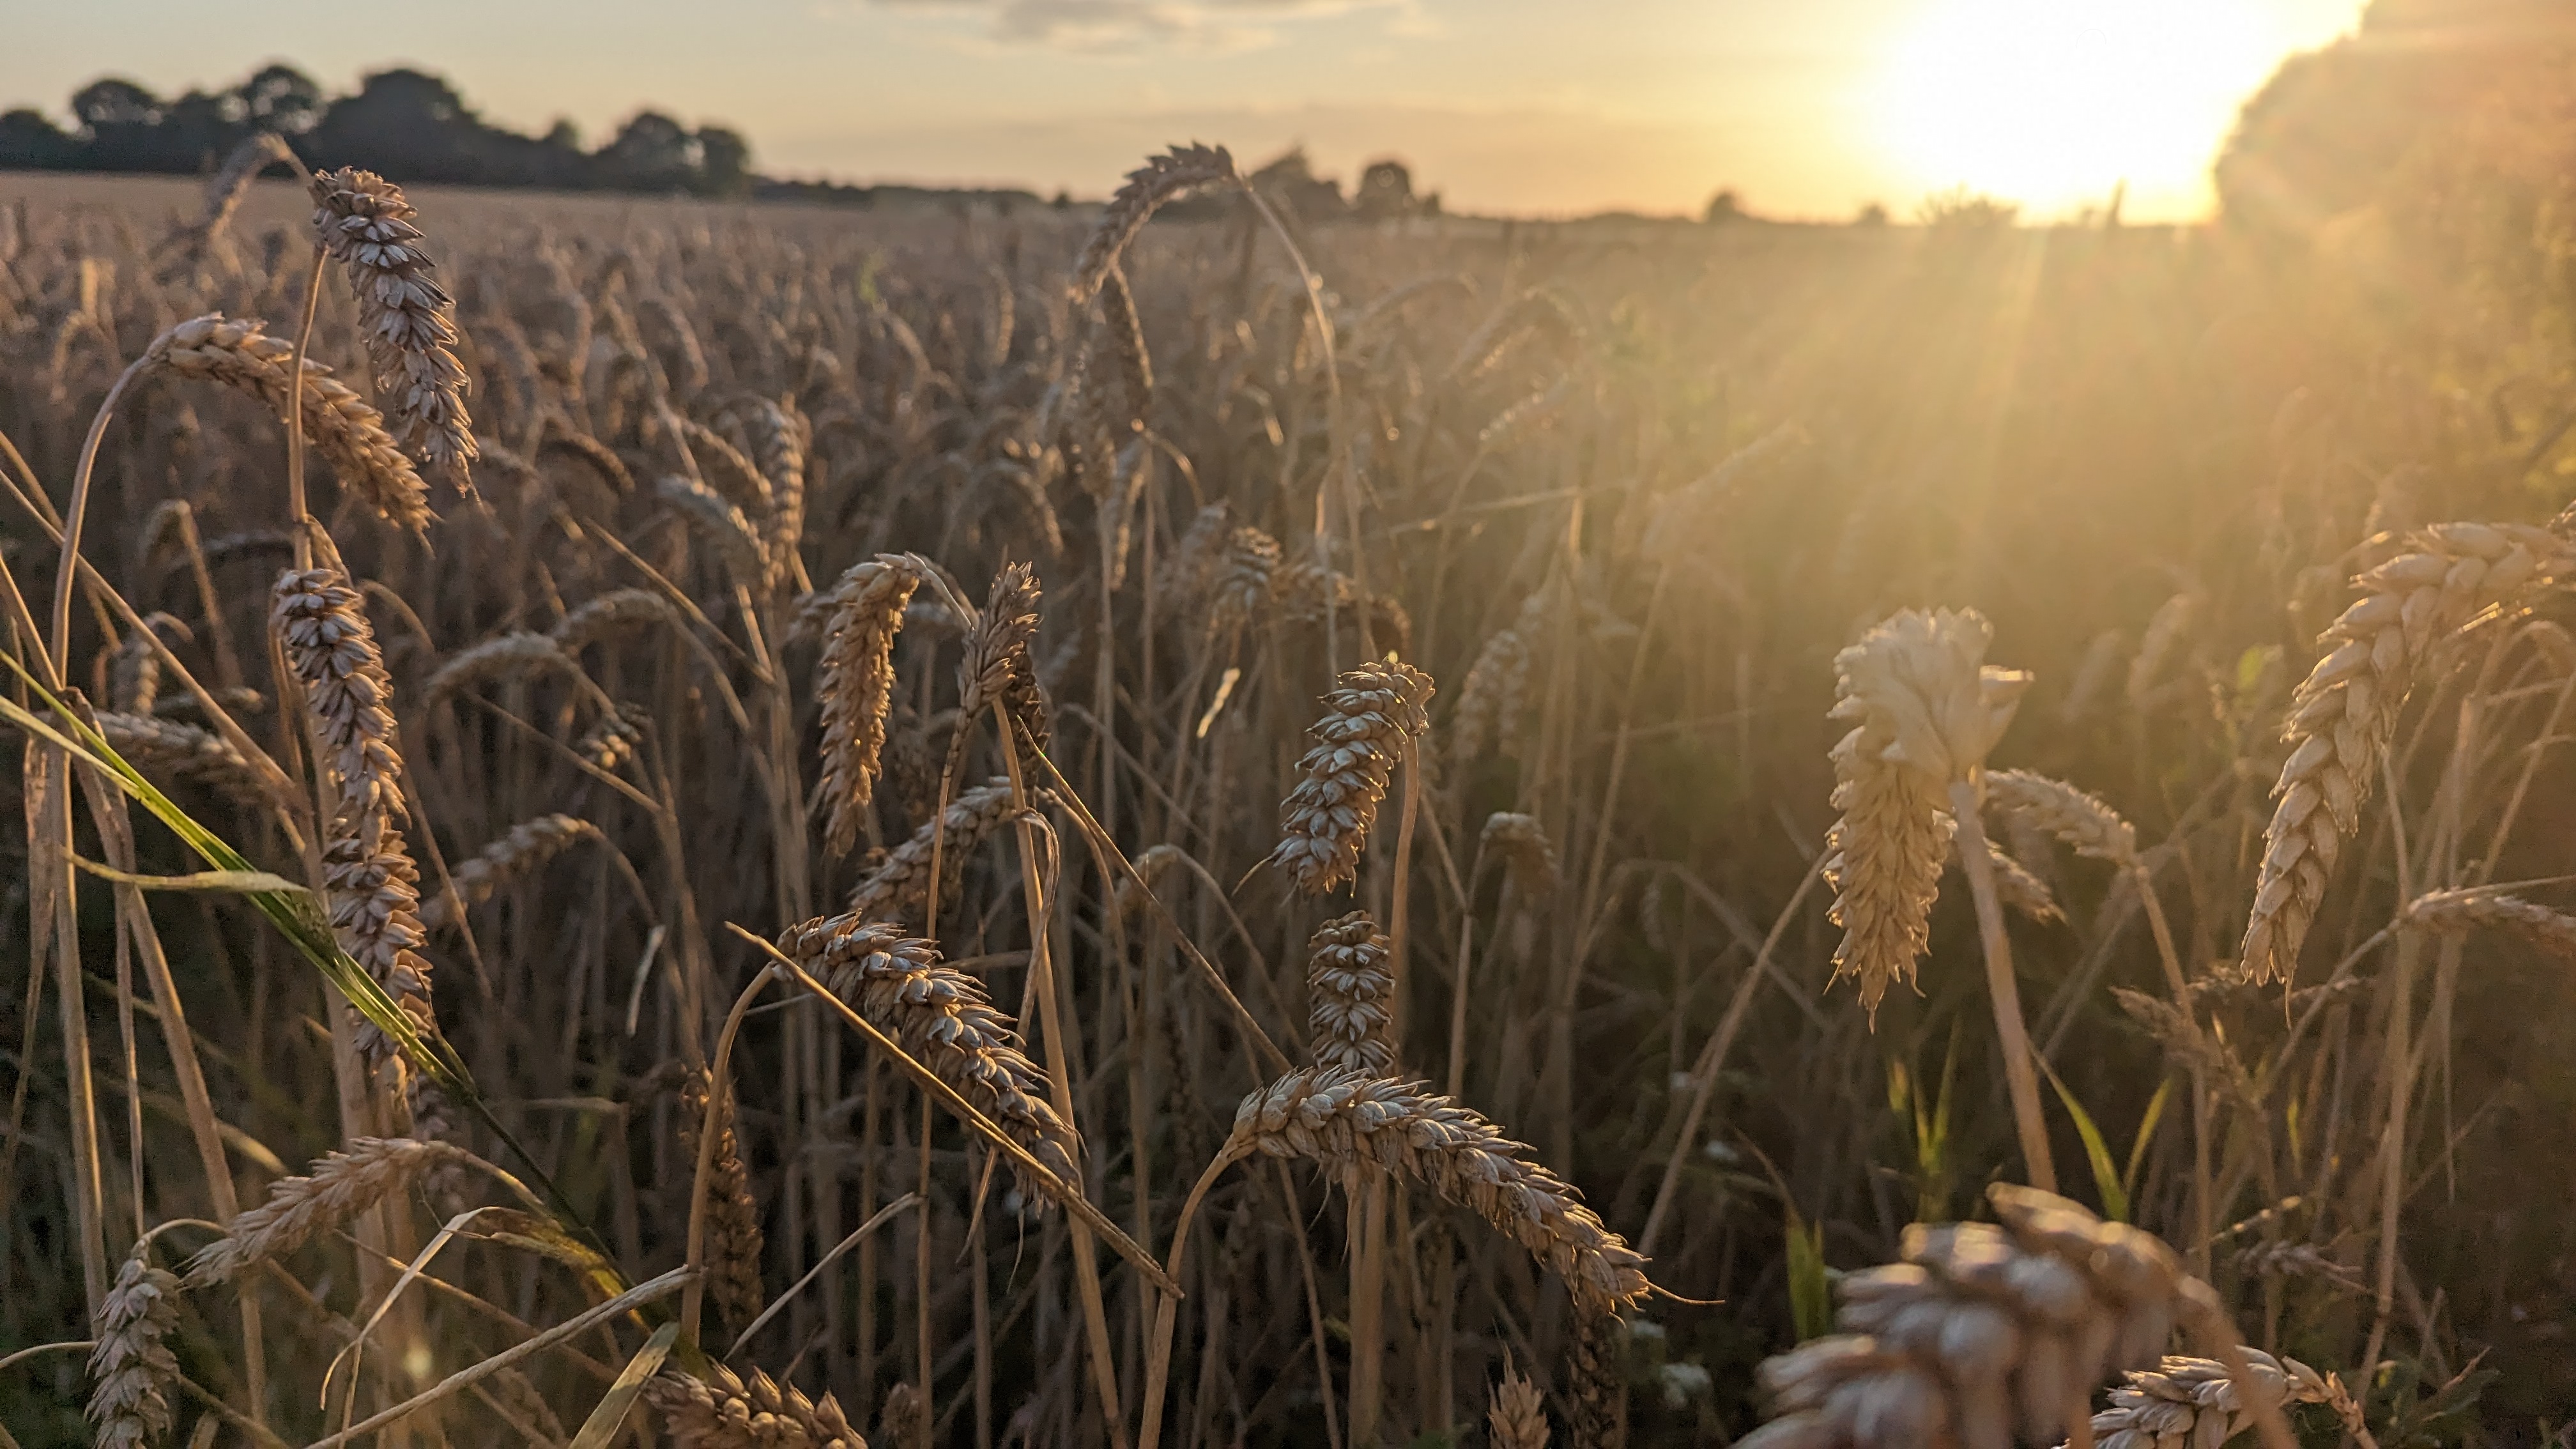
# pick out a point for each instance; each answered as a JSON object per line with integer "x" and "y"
{"x": 2053, "y": 103}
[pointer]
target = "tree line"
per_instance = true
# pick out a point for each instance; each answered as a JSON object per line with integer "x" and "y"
{"x": 407, "y": 124}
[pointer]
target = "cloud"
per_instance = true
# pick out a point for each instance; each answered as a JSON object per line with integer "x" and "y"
{"x": 1114, "y": 26}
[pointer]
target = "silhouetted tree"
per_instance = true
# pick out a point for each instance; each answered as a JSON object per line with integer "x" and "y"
{"x": 283, "y": 99}
{"x": 31, "y": 141}
{"x": 652, "y": 153}
{"x": 724, "y": 162}
{"x": 1386, "y": 192}
{"x": 1724, "y": 207}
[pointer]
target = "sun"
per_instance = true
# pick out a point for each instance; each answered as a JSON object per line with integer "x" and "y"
{"x": 2053, "y": 103}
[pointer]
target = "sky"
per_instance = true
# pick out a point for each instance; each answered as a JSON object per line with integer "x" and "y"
{"x": 1804, "y": 108}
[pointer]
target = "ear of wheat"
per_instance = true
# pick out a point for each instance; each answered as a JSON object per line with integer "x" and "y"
{"x": 728, "y": 530}
{"x": 997, "y": 667}
{"x": 1326, "y": 818}
{"x": 503, "y": 656}
{"x": 132, "y": 1367}
{"x": 1926, "y": 709}
{"x": 723, "y": 1411}
{"x": 899, "y": 889}
{"x": 1517, "y": 1418}
{"x": 941, "y": 1016}
{"x": 1983, "y": 1329}
{"x": 733, "y": 1215}
{"x": 2080, "y": 821}
{"x": 175, "y": 751}
{"x": 1148, "y": 187}
{"x": 613, "y": 613}
{"x": 1348, "y": 988}
{"x": 365, "y": 223}
{"x": 2461, "y": 910}
{"x": 1528, "y": 858}
{"x": 2195, "y": 1402}
{"x": 2345, "y": 711}
{"x": 521, "y": 851}
{"x": 337, "y": 1188}
{"x": 855, "y": 683}
{"x": 1346, "y": 1121}
{"x": 348, "y": 433}
{"x": 1490, "y": 703}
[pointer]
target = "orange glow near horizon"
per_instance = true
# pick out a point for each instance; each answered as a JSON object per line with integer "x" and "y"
{"x": 2055, "y": 103}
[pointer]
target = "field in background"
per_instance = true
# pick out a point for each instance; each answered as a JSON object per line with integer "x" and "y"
{"x": 1622, "y": 491}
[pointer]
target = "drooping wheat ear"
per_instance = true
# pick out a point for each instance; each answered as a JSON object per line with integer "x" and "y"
{"x": 135, "y": 677}
{"x": 2171, "y": 621}
{"x": 364, "y": 222}
{"x": 1154, "y": 865}
{"x": 1347, "y": 990}
{"x": 899, "y": 1416}
{"x": 224, "y": 189}
{"x": 1529, "y": 861}
{"x": 611, "y": 614}
{"x": 1982, "y": 1329}
{"x": 337, "y": 1188}
{"x": 727, "y": 470}
{"x": 855, "y": 683}
{"x": 348, "y": 433}
{"x": 779, "y": 438}
{"x": 1925, "y": 709}
{"x": 899, "y": 887}
{"x": 1126, "y": 332}
{"x": 1345, "y": 1121}
{"x": 2080, "y": 821}
{"x": 1241, "y": 581}
{"x": 996, "y": 666}
{"x": 2021, "y": 889}
{"x": 1188, "y": 572}
{"x": 503, "y": 656}
{"x": 1326, "y": 818}
{"x": 1148, "y": 187}
{"x": 612, "y": 742}
{"x": 132, "y": 1368}
{"x": 2461, "y": 910}
{"x": 1491, "y": 702}
{"x": 1308, "y": 593}
{"x": 733, "y": 1215}
{"x": 523, "y": 850}
{"x": 1517, "y": 1417}
{"x": 1596, "y": 1382}
{"x": 727, "y": 528}
{"x": 2344, "y": 713}
{"x": 2194, "y": 1403}
{"x": 173, "y": 751}
{"x": 941, "y": 1016}
{"x": 2092, "y": 675}
{"x": 369, "y": 881}
{"x": 721, "y": 1411}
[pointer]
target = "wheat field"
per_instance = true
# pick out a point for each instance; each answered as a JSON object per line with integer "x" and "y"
{"x": 746, "y": 825}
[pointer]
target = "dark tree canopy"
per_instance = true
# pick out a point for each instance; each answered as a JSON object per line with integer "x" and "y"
{"x": 408, "y": 124}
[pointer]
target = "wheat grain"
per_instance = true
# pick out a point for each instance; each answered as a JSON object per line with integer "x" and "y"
{"x": 898, "y": 888}
{"x": 2195, "y": 1403}
{"x": 996, "y": 667}
{"x": 722, "y": 1411}
{"x": 132, "y": 1368}
{"x": 2080, "y": 821}
{"x": 1348, "y": 992}
{"x": 1983, "y": 1328}
{"x": 1346, "y": 1121}
{"x": 941, "y": 1016}
{"x": 733, "y": 1215}
{"x": 854, "y": 684}
{"x": 515, "y": 655}
{"x": 523, "y": 850}
{"x": 348, "y": 433}
{"x": 335, "y": 1189}
{"x": 1517, "y": 1417}
{"x": 1376, "y": 710}
{"x": 2460, "y": 910}
{"x": 1148, "y": 186}
{"x": 365, "y": 223}
{"x": 2343, "y": 714}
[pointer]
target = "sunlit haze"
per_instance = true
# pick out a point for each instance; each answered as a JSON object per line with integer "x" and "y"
{"x": 1521, "y": 106}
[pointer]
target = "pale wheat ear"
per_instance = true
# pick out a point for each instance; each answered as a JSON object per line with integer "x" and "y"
{"x": 854, "y": 684}
{"x": 899, "y": 888}
{"x": 1148, "y": 186}
{"x": 1373, "y": 714}
{"x": 335, "y": 1190}
{"x": 133, "y": 1368}
{"x": 1347, "y": 990}
{"x": 721, "y": 1410}
{"x": 523, "y": 850}
{"x": 733, "y": 1215}
{"x": 365, "y": 223}
{"x": 1517, "y": 1418}
{"x": 2346, "y": 710}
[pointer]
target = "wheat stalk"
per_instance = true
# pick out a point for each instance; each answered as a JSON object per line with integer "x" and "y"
{"x": 1325, "y": 820}
{"x": 854, "y": 683}
{"x": 132, "y": 1368}
{"x": 1346, "y": 1121}
{"x": 365, "y": 223}
{"x": 941, "y": 1017}
{"x": 240, "y": 354}
{"x": 336, "y": 1188}
{"x": 1348, "y": 988}
{"x": 723, "y": 1411}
